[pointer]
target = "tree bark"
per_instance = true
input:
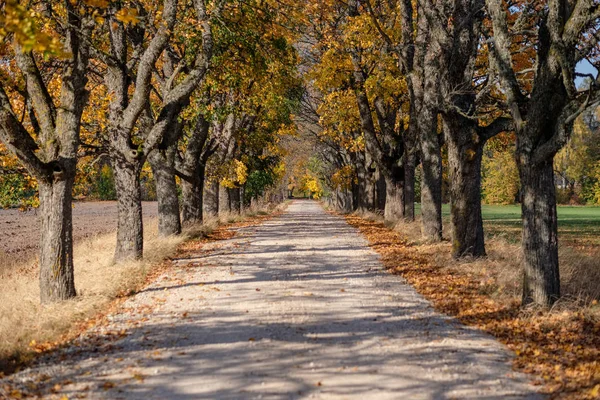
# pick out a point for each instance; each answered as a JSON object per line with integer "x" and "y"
{"x": 365, "y": 189}
{"x": 380, "y": 192}
{"x": 57, "y": 280}
{"x": 193, "y": 197}
{"x": 169, "y": 221}
{"x": 211, "y": 199}
{"x": 409, "y": 186}
{"x": 235, "y": 203}
{"x": 130, "y": 231}
{"x": 464, "y": 160}
{"x": 431, "y": 185}
{"x": 394, "y": 199}
{"x": 344, "y": 200}
{"x": 243, "y": 203}
{"x": 224, "y": 200}
{"x": 541, "y": 279}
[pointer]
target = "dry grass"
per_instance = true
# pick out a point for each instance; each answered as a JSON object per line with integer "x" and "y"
{"x": 25, "y": 324}
{"x": 27, "y": 328}
{"x": 560, "y": 346}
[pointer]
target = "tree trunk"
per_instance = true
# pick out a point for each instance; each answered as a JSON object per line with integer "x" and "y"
{"x": 394, "y": 202}
{"x": 380, "y": 193}
{"x": 243, "y": 198}
{"x": 366, "y": 188}
{"x": 57, "y": 281}
{"x": 192, "y": 194}
{"x": 431, "y": 185}
{"x": 130, "y": 231}
{"x": 211, "y": 199}
{"x": 356, "y": 192}
{"x": 464, "y": 160}
{"x": 235, "y": 200}
{"x": 169, "y": 222}
{"x": 224, "y": 200}
{"x": 409, "y": 187}
{"x": 342, "y": 201}
{"x": 541, "y": 279}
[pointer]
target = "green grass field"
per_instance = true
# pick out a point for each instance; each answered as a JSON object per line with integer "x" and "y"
{"x": 577, "y": 225}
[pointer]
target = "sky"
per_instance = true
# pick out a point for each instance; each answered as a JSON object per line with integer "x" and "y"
{"x": 584, "y": 67}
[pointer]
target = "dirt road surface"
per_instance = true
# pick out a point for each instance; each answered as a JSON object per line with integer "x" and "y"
{"x": 19, "y": 231}
{"x": 298, "y": 307}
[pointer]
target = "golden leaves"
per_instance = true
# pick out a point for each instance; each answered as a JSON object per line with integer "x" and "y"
{"x": 128, "y": 16}
{"x": 343, "y": 178}
{"x": 30, "y": 31}
{"x": 97, "y": 3}
{"x": 236, "y": 173}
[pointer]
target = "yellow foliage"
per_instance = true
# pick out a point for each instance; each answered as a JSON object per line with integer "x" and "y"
{"x": 343, "y": 178}
{"x": 312, "y": 185}
{"x": 596, "y": 189}
{"x": 27, "y": 27}
{"x": 500, "y": 182}
{"x": 235, "y": 175}
{"x": 128, "y": 16}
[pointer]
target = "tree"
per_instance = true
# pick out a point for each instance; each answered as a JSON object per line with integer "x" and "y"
{"x": 461, "y": 104}
{"x": 138, "y": 48}
{"x": 563, "y": 33}
{"x": 418, "y": 59}
{"x": 47, "y": 142}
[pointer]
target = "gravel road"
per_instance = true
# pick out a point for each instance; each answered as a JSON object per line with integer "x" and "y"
{"x": 298, "y": 307}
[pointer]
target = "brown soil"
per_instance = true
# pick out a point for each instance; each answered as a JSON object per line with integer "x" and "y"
{"x": 19, "y": 231}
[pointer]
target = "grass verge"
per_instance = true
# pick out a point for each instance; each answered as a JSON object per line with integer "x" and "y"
{"x": 561, "y": 346}
{"x": 28, "y": 329}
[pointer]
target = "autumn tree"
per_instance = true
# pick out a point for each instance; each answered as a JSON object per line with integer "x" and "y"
{"x": 563, "y": 33}
{"x": 50, "y": 46}
{"x": 417, "y": 52}
{"x": 468, "y": 119}
{"x": 177, "y": 60}
{"x": 131, "y": 59}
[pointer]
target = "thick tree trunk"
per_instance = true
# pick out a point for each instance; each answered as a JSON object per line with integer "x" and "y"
{"x": 336, "y": 200}
{"x": 56, "y": 246}
{"x": 409, "y": 187}
{"x": 235, "y": 203}
{"x": 464, "y": 160}
{"x": 211, "y": 199}
{"x": 541, "y": 279}
{"x": 224, "y": 200}
{"x": 366, "y": 188}
{"x": 355, "y": 194}
{"x": 169, "y": 222}
{"x": 192, "y": 194}
{"x": 345, "y": 200}
{"x": 130, "y": 231}
{"x": 431, "y": 185}
{"x": 394, "y": 200}
{"x": 243, "y": 198}
{"x": 380, "y": 193}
